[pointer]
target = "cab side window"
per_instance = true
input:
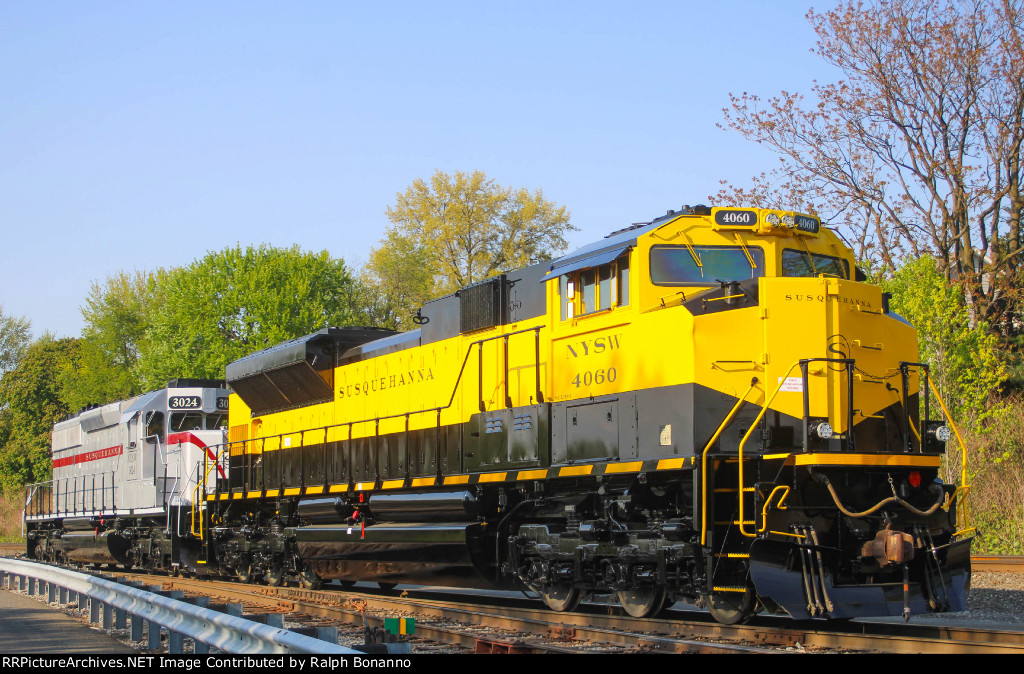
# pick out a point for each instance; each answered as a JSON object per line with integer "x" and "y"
{"x": 155, "y": 425}
{"x": 604, "y": 287}
{"x": 622, "y": 280}
{"x": 588, "y": 290}
{"x": 593, "y": 290}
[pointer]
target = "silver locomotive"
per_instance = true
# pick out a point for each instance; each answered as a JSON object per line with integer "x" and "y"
{"x": 126, "y": 476}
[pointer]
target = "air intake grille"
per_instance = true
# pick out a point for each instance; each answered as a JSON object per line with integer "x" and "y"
{"x": 483, "y": 305}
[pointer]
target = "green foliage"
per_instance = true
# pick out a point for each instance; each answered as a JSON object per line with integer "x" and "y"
{"x": 995, "y": 472}
{"x": 456, "y": 230}
{"x": 32, "y": 403}
{"x": 966, "y": 363}
{"x": 397, "y": 280}
{"x": 997, "y": 534}
{"x": 117, "y": 316}
{"x": 233, "y": 302}
{"x": 14, "y": 339}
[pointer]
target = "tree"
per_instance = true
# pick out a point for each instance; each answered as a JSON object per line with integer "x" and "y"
{"x": 234, "y": 302}
{"x": 964, "y": 359}
{"x": 398, "y": 278}
{"x": 14, "y": 339}
{"x": 117, "y": 316}
{"x": 457, "y": 230}
{"x": 32, "y": 404}
{"x": 918, "y": 149}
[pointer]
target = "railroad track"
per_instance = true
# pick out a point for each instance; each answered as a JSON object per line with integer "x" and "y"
{"x": 451, "y": 622}
{"x": 501, "y": 624}
{"x": 999, "y": 563}
{"x": 494, "y": 627}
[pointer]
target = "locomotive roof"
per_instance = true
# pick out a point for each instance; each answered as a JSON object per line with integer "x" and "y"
{"x": 141, "y": 403}
{"x": 600, "y": 252}
{"x": 305, "y": 348}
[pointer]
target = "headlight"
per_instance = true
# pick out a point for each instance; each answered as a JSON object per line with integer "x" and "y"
{"x": 823, "y": 430}
{"x": 941, "y": 433}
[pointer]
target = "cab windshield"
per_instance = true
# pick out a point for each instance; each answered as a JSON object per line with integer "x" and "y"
{"x": 197, "y": 421}
{"x": 704, "y": 265}
{"x": 186, "y": 421}
{"x": 802, "y": 263}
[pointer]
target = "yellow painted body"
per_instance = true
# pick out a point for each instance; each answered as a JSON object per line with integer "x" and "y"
{"x": 646, "y": 339}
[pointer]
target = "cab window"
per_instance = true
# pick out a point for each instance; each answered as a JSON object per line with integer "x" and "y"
{"x": 802, "y": 263}
{"x": 596, "y": 289}
{"x": 186, "y": 421}
{"x": 216, "y": 421}
{"x": 604, "y": 287}
{"x": 704, "y": 265}
{"x": 622, "y": 281}
{"x": 155, "y": 425}
{"x": 588, "y": 288}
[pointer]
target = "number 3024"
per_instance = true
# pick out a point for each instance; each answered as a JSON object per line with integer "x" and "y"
{"x": 599, "y": 376}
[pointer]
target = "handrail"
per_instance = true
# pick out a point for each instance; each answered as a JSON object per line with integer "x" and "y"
{"x": 704, "y": 461}
{"x": 963, "y": 448}
{"x": 169, "y": 497}
{"x": 929, "y": 384}
{"x": 782, "y": 381}
{"x": 784, "y": 490}
{"x": 451, "y": 400}
{"x": 746, "y": 436}
{"x": 201, "y": 485}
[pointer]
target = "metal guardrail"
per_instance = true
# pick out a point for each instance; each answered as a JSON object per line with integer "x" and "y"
{"x": 207, "y": 628}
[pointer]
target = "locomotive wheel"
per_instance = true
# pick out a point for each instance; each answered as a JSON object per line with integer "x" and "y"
{"x": 274, "y": 576}
{"x": 387, "y": 587}
{"x": 642, "y": 602}
{"x": 244, "y": 574}
{"x": 561, "y": 597}
{"x": 309, "y": 579}
{"x": 732, "y": 608}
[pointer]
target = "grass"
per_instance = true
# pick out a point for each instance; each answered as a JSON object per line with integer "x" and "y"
{"x": 995, "y": 469}
{"x": 11, "y": 506}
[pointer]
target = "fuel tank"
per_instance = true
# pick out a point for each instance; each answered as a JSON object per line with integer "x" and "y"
{"x": 424, "y": 553}
{"x": 107, "y": 547}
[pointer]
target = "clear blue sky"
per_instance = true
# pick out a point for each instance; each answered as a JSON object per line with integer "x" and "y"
{"x": 138, "y": 135}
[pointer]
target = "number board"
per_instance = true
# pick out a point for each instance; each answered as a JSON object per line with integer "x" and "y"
{"x": 806, "y": 224}
{"x": 185, "y": 402}
{"x": 736, "y": 218}
{"x": 222, "y": 403}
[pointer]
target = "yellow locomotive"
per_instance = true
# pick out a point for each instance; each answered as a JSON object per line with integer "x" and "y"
{"x": 709, "y": 407}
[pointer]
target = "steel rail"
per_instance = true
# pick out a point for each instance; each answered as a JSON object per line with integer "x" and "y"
{"x": 533, "y": 623}
{"x": 226, "y": 633}
{"x": 998, "y": 563}
{"x": 674, "y": 631}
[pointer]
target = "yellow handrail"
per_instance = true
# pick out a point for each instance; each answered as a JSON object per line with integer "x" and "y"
{"x": 704, "y": 462}
{"x": 768, "y": 501}
{"x": 195, "y": 494}
{"x": 746, "y": 436}
{"x": 963, "y": 448}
